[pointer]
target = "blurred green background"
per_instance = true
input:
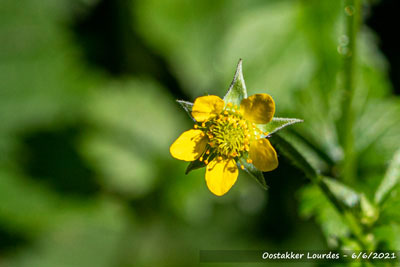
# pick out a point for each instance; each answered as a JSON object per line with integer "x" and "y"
{"x": 88, "y": 112}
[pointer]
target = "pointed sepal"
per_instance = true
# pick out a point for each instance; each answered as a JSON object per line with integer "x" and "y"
{"x": 253, "y": 172}
{"x": 277, "y": 124}
{"x": 187, "y": 106}
{"x": 237, "y": 91}
{"x": 194, "y": 165}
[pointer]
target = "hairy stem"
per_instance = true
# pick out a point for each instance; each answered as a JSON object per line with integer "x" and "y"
{"x": 289, "y": 151}
{"x": 352, "y": 9}
{"x": 346, "y": 214}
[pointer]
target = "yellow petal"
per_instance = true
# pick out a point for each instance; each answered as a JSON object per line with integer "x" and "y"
{"x": 259, "y": 108}
{"x": 263, "y": 155}
{"x": 189, "y": 146}
{"x": 205, "y": 107}
{"x": 221, "y": 175}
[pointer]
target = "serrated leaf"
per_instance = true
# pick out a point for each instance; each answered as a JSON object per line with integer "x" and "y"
{"x": 254, "y": 172}
{"x": 187, "y": 106}
{"x": 237, "y": 91}
{"x": 391, "y": 179}
{"x": 342, "y": 192}
{"x": 277, "y": 124}
{"x": 197, "y": 164}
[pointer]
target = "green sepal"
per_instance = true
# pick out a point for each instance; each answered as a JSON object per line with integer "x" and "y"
{"x": 253, "y": 172}
{"x": 237, "y": 90}
{"x": 277, "y": 124}
{"x": 193, "y": 165}
{"x": 187, "y": 106}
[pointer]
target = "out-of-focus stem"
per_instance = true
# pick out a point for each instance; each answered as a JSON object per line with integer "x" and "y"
{"x": 352, "y": 9}
{"x": 346, "y": 214}
{"x": 289, "y": 151}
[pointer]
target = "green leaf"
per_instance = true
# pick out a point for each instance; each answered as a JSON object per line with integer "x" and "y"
{"x": 237, "y": 91}
{"x": 345, "y": 194}
{"x": 187, "y": 106}
{"x": 337, "y": 193}
{"x": 277, "y": 124}
{"x": 389, "y": 234}
{"x": 290, "y": 152}
{"x": 378, "y": 117}
{"x": 313, "y": 202}
{"x": 254, "y": 172}
{"x": 391, "y": 179}
{"x": 197, "y": 164}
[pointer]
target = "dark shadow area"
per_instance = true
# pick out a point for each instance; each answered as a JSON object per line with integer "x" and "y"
{"x": 10, "y": 240}
{"x": 51, "y": 156}
{"x": 280, "y": 220}
{"x": 110, "y": 43}
{"x": 384, "y": 20}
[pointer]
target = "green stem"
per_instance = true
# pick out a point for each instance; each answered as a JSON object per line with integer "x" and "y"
{"x": 352, "y": 9}
{"x": 346, "y": 214}
{"x": 285, "y": 148}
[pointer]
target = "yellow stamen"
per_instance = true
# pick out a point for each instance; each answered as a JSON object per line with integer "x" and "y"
{"x": 249, "y": 161}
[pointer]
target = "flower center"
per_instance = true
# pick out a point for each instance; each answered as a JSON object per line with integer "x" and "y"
{"x": 229, "y": 134}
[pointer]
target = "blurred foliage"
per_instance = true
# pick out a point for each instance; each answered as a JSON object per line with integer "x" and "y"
{"x": 88, "y": 113}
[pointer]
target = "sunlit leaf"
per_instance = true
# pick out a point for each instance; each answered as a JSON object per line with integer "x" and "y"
{"x": 342, "y": 192}
{"x": 377, "y": 118}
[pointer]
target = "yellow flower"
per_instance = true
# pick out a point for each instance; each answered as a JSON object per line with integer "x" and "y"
{"x": 223, "y": 134}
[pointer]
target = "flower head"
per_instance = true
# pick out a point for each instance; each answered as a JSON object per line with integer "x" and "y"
{"x": 224, "y": 133}
{"x": 230, "y": 133}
